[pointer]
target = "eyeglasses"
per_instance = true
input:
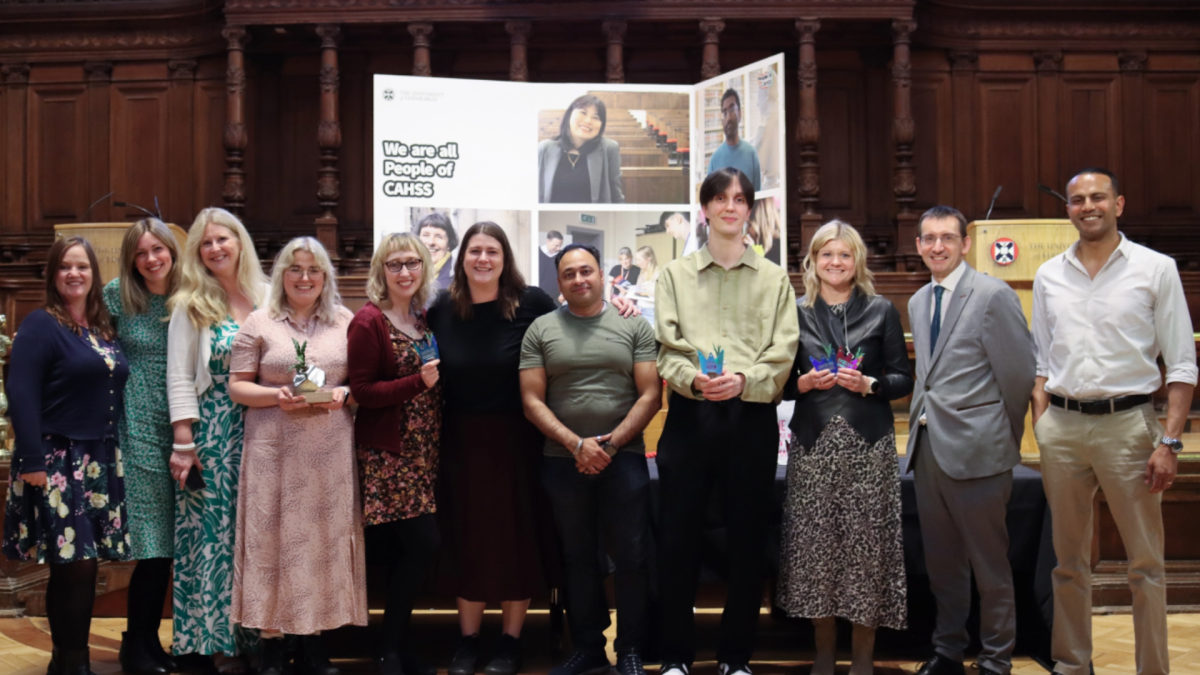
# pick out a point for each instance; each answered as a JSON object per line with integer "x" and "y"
{"x": 947, "y": 239}
{"x": 297, "y": 272}
{"x": 394, "y": 266}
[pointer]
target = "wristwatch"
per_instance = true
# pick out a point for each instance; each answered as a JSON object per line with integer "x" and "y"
{"x": 1174, "y": 444}
{"x": 875, "y": 386}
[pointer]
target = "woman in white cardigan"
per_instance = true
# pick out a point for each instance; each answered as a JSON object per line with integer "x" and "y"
{"x": 221, "y": 282}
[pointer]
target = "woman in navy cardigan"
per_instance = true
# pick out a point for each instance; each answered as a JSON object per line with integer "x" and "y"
{"x": 398, "y": 431}
{"x": 66, "y": 499}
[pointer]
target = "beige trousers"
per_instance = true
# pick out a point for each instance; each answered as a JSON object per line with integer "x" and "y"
{"x": 1080, "y": 453}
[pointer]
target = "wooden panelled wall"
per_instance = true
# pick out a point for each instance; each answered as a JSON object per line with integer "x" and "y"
{"x": 131, "y": 97}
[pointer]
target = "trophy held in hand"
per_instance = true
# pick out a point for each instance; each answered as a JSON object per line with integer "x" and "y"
{"x": 309, "y": 379}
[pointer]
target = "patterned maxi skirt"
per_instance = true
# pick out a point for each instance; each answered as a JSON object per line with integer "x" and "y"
{"x": 841, "y": 551}
{"x": 79, "y": 514}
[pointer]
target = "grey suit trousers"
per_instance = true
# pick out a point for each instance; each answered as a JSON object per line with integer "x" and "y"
{"x": 963, "y": 528}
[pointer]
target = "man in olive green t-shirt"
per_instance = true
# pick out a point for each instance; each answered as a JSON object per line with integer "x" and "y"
{"x": 589, "y": 382}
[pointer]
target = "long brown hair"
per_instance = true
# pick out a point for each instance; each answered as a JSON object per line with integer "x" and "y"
{"x": 96, "y": 311}
{"x": 134, "y": 293}
{"x": 512, "y": 284}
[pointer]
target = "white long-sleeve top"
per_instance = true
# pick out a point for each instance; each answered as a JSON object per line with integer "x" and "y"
{"x": 1100, "y": 338}
{"x": 188, "y": 376}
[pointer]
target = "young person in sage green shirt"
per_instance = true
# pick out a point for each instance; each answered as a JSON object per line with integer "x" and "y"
{"x": 721, "y": 430}
{"x": 588, "y": 381}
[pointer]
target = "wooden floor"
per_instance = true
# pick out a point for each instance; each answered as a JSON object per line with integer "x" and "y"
{"x": 25, "y": 648}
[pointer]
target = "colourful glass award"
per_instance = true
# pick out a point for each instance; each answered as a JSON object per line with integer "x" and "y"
{"x": 427, "y": 348}
{"x": 712, "y": 365}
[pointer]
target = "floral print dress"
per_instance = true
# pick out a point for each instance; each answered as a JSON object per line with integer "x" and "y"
{"x": 146, "y": 435}
{"x": 204, "y": 520}
{"x": 80, "y": 513}
{"x": 401, "y": 486}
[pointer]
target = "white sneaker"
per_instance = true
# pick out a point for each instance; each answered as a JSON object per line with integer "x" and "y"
{"x": 733, "y": 669}
{"x": 673, "y": 669}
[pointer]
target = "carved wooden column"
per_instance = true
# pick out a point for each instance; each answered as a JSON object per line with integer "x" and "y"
{"x": 235, "y": 120}
{"x": 963, "y": 65}
{"x": 16, "y": 92}
{"x": 904, "y": 179}
{"x": 329, "y": 139}
{"x": 99, "y": 86}
{"x": 1133, "y": 134}
{"x": 1048, "y": 65}
{"x": 518, "y": 31}
{"x": 808, "y": 135}
{"x": 180, "y": 206}
{"x": 422, "y": 33}
{"x": 615, "y": 32}
{"x": 710, "y": 65}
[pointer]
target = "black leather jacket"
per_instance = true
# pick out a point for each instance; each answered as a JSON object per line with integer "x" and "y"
{"x": 872, "y": 323}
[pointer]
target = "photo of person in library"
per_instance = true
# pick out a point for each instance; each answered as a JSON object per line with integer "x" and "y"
{"x": 615, "y": 147}
{"x": 742, "y": 124}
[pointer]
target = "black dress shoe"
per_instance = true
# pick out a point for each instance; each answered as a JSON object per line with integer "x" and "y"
{"x": 414, "y": 666}
{"x": 136, "y": 656}
{"x": 507, "y": 660}
{"x": 466, "y": 656}
{"x": 941, "y": 665}
{"x": 77, "y": 662}
{"x": 312, "y": 658}
{"x": 271, "y": 659}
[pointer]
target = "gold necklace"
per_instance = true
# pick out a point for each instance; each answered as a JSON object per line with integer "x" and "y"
{"x": 574, "y": 157}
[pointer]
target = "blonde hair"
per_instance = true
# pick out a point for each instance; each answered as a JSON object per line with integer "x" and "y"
{"x": 763, "y": 223}
{"x": 836, "y": 230}
{"x": 377, "y": 288}
{"x": 326, "y": 309}
{"x": 199, "y": 291}
{"x": 651, "y": 268}
{"x": 134, "y": 294}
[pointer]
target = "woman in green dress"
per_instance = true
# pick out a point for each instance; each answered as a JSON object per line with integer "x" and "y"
{"x": 220, "y": 283}
{"x": 137, "y": 303}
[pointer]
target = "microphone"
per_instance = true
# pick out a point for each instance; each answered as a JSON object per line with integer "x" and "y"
{"x": 993, "y": 204}
{"x": 139, "y": 208}
{"x": 1050, "y": 191}
{"x": 87, "y": 218}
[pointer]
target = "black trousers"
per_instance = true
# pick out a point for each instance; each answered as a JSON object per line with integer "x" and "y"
{"x": 732, "y": 447}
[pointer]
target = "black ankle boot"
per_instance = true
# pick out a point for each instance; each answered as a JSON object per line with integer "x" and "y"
{"x": 54, "y": 667}
{"x": 312, "y": 659}
{"x": 77, "y": 662}
{"x": 136, "y": 656}
{"x": 271, "y": 661}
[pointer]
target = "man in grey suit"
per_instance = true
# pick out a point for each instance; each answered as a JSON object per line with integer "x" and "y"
{"x": 975, "y": 365}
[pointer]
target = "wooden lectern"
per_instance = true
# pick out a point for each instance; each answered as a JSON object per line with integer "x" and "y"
{"x": 1013, "y": 250}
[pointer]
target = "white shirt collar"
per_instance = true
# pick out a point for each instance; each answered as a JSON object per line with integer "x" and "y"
{"x": 951, "y": 280}
{"x": 1124, "y": 248}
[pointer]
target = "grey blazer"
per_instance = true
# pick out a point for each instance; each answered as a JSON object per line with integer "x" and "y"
{"x": 976, "y": 385}
{"x": 604, "y": 170}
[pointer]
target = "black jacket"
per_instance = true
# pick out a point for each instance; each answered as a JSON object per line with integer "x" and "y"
{"x": 871, "y": 323}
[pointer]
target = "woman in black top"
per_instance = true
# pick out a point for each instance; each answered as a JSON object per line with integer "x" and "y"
{"x": 490, "y": 525}
{"x": 841, "y": 552}
{"x": 66, "y": 501}
{"x": 580, "y": 165}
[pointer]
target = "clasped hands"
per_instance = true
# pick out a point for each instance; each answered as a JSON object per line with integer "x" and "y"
{"x": 823, "y": 379}
{"x": 591, "y": 458}
{"x": 723, "y": 387}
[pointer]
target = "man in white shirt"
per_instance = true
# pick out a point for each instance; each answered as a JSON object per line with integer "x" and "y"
{"x": 1103, "y": 311}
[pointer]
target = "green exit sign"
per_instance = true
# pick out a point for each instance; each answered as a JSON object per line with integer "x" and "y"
{"x": 586, "y": 218}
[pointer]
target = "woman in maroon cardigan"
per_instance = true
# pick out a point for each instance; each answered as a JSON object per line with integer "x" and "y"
{"x": 397, "y": 431}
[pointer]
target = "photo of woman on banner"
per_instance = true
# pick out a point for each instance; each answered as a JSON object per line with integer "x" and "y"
{"x": 580, "y": 165}
{"x": 437, "y": 233}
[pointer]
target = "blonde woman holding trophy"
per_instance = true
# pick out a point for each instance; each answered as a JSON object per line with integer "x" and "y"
{"x": 298, "y": 553}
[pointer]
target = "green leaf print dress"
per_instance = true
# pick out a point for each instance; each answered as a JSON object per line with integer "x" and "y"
{"x": 204, "y": 521}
